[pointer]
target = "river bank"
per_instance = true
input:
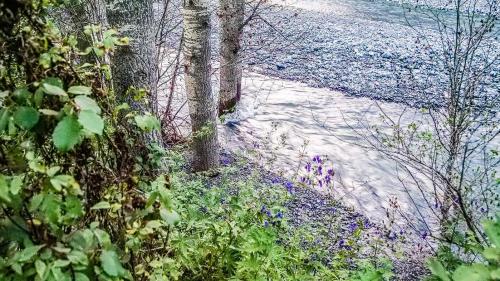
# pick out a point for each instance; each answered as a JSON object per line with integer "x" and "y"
{"x": 337, "y": 228}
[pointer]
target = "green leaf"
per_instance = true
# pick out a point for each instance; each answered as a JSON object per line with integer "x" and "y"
{"x": 53, "y": 90}
{"x": 67, "y": 134}
{"x": 492, "y": 254}
{"x": 21, "y": 94}
{"x": 495, "y": 274}
{"x": 78, "y": 257}
{"x": 60, "y": 181}
{"x": 438, "y": 269}
{"x": 48, "y": 112}
{"x": 28, "y": 253}
{"x": 147, "y": 123}
{"x": 26, "y": 117}
{"x": 74, "y": 207}
{"x": 81, "y": 277}
{"x": 61, "y": 263}
{"x": 492, "y": 230}
{"x": 86, "y": 103}
{"x": 91, "y": 121}
{"x": 101, "y": 205}
{"x": 475, "y": 272}
{"x": 44, "y": 60}
{"x": 41, "y": 268}
{"x": 4, "y": 189}
{"x": 170, "y": 217}
{"x": 111, "y": 264}
{"x": 16, "y": 184}
{"x": 4, "y": 119}
{"x": 108, "y": 43}
{"x": 80, "y": 90}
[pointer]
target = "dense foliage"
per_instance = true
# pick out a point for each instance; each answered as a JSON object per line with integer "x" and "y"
{"x": 84, "y": 198}
{"x": 85, "y": 193}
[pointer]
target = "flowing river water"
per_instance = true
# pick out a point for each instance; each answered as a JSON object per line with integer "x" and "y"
{"x": 277, "y": 117}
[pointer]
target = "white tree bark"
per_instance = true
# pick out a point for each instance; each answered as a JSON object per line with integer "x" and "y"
{"x": 232, "y": 14}
{"x": 135, "y": 65}
{"x": 202, "y": 101}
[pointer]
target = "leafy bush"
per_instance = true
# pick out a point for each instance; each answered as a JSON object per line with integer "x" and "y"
{"x": 84, "y": 194}
{"x": 487, "y": 266}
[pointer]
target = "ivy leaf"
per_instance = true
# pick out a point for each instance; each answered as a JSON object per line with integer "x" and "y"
{"x": 101, "y": 205}
{"x": 67, "y": 134}
{"x": 438, "y": 269}
{"x": 54, "y": 90}
{"x": 86, "y": 103}
{"x": 80, "y": 90}
{"x": 26, "y": 117}
{"x": 91, "y": 121}
{"x": 111, "y": 264}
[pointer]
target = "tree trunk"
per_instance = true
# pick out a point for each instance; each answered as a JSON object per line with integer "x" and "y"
{"x": 201, "y": 100}
{"x": 232, "y": 17}
{"x": 135, "y": 65}
{"x": 88, "y": 12}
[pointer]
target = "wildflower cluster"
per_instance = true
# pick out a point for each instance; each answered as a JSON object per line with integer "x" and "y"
{"x": 318, "y": 173}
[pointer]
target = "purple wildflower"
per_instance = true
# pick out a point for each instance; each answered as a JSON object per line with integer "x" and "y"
{"x": 320, "y": 183}
{"x": 279, "y": 215}
{"x": 392, "y": 236}
{"x": 328, "y": 179}
{"x": 353, "y": 226}
{"x": 308, "y": 167}
{"x": 266, "y": 223}
{"x": 275, "y": 180}
{"x": 289, "y": 186}
{"x": 330, "y": 172}
{"x": 320, "y": 170}
{"x": 317, "y": 159}
{"x": 367, "y": 224}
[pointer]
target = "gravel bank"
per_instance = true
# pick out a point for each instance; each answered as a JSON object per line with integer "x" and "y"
{"x": 361, "y": 48}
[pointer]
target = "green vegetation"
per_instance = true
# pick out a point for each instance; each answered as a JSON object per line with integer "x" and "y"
{"x": 85, "y": 193}
{"x": 84, "y": 199}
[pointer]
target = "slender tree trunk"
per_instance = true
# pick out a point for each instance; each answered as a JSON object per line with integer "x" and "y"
{"x": 232, "y": 17}
{"x": 202, "y": 102}
{"x": 135, "y": 65}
